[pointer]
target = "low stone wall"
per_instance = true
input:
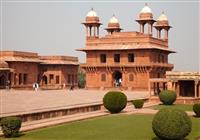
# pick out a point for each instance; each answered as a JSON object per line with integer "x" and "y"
{"x": 179, "y": 100}
{"x": 56, "y": 113}
{"x": 51, "y": 113}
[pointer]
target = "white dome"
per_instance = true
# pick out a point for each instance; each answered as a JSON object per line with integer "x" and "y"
{"x": 92, "y": 13}
{"x": 113, "y": 20}
{"x": 146, "y": 9}
{"x": 162, "y": 17}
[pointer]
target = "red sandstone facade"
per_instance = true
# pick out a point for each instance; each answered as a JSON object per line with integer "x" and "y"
{"x": 126, "y": 59}
{"x": 22, "y": 69}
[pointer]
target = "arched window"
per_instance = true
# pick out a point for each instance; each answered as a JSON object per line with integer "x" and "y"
{"x": 103, "y": 77}
{"x": 131, "y": 77}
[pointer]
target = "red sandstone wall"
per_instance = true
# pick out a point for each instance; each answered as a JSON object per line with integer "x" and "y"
{"x": 59, "y": 70}
{"x": 31, "y": 69}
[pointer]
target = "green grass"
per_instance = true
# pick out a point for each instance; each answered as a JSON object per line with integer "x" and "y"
{"x": 177, "y": 106}
{"x": 113, "y": 127}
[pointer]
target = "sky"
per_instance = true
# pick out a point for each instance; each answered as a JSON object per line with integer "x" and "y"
{"x": 50, "y": 27}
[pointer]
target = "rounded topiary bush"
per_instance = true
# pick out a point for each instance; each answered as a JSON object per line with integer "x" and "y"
{"x": 196, "y": 109}
{"x": 171, "y": 124}
{"x": 138, "y": 103}
{"x": 114, "y": 101}
{"x": 11, "y": 126}
{"x": 167, "y": 97}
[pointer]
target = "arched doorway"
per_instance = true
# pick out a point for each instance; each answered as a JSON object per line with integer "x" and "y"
{"x": 117, "y": 77}
{"x": 3, "y": 80}
{"x": 44, "y": 80}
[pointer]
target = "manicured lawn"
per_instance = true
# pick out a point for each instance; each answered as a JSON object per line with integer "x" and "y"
{"x": 177, "y": 106}
{"x": 113, "y": 127}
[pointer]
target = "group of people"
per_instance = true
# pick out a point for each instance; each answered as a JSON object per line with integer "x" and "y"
{"x": 118, "y": 82}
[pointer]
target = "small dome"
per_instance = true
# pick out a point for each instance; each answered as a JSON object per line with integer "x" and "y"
{"x": 92, "y": 13}
{"x": 146, "y": 13}
{"x": 162, "y": 17}
{"x": 113, "y": 20}
{"x": 3, "y": 64}
{"x": 162, "y": 20}
{"x": 146, "y": 9}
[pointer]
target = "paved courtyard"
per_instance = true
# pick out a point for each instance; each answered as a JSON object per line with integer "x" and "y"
{"x": 26, "y": 101}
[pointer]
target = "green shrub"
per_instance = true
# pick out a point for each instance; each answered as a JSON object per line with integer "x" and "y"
{"x": 167, "y": 97}
{"x": 114, "y": 101}
{"x": 11, "y": 126}
{"x": 196, "y": 109}
{"x": 138, "y": 103}
{"x": 171, "y": 124}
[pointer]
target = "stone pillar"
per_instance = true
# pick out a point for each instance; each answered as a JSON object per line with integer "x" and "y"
{"x": 142, "y": 28}
{"x": 86, "y": 31}
{"x": 94, "y": 31}
{"x": 90, "y": 29}
{"x": 166, "y": 34}
{"x": 177, "y": 89}
{"x": 149, "y": 28}
{"x": 149, "y": 88}
{"x": 17, "y": 79}
{"x": 154, "y": 88}
{"x": 195, "y": 88}
{"x": 97, "y": 31}
{"x": 12, "y": 79}
{"x": 158, "y": 34}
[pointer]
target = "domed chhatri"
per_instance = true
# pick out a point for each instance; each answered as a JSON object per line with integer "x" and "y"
{"x": 162, "y": 20}
{"x": 92, "y": 17}
{"x": 162, "y": 17}
{"x": 92, "y": 24}
{"x": 3, "y": 64}
{"x": 113, "y": 25}
{"x": 146, "y": 17}
{"x": 113, "y": 22}
{"x": 162, "y": 24}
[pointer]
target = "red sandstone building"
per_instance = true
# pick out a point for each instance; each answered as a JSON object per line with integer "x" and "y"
{"x": 22, "y": 69}
{"x": 127, "y": 59}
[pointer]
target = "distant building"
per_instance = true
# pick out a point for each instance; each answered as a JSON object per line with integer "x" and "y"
{"x": 185, "y": 84}
{"x": 23, "y": 69}
{"x": 126, "y": 59}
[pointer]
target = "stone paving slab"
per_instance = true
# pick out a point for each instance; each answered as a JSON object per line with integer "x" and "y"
{"x": 27, "y": 101}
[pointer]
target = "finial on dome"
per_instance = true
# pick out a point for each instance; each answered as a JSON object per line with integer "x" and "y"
{"x": 146, "y": 4}
{"x": 163, "y": 12}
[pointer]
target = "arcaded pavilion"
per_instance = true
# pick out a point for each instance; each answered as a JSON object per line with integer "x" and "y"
{"x": 126, "y": 59}
{"x": 20, "y": 70}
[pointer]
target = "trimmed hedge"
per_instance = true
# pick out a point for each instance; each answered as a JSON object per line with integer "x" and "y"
{"x": 138, "y": 103}
{"x": 196, "y": 109}
{"x": 11, "y": 126}
{"x": 167, "y": 97}
{"x": 171, "y": 124}
{"x": 114, "y": 101}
